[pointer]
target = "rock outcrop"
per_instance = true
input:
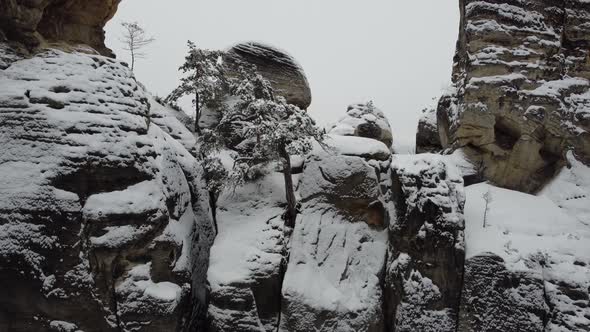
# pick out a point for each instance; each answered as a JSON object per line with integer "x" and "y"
{"x": 527, "y": 259}
{"x": 104, "y": 217}
{"x": 521, "y": 89}
{"x": 248, "y": 257}
{"x": 337, "y": 249}
{"x": 35, "y": 23}
{"x": 364, "y": 120}
{"x": 427, "y": 138}
{"x": 279, "y": 68}
{"x": 495, "y": 298}
{"x": 426, "y": 253}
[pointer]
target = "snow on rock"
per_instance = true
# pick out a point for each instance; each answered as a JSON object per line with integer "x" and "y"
{"x": 426, "y": 244}
{"x": 337, "y": 250}
{"x": 570, "y": 189}
{"x": 530, "y": 256}
{"x": 358, "y": 146}
{"x": 427, "y": 138}
{"x": 247, "y": 257}
{"x": 174, "y": 122}
{"x": 61, "y": 326}
{"x": 364, "y": 120}
{"x": 91, "y": 187}
{"x": 521, "y": 91}
{"x": 142, "y": 299}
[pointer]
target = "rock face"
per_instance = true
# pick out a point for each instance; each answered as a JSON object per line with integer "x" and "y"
{"x": 521, "y": 89}
{"x": 513, "y": 301}
{"x": 248, "y": 256}
{"x": 424, "y": 272}
{"x": 364, "y": 120}
{"x": 427, "y": 138}
{"x": 284, "y": 73}
{"x": 338, "y": 244}
{"x": 33, "y": 23}
{"x": 104, "y": 218}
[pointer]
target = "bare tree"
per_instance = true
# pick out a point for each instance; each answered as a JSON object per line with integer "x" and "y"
{"x": 487, "y": 197}
{"x": 135, "y": 39}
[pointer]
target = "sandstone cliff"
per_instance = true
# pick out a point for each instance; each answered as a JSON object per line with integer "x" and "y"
{"x": 521, "y": 89}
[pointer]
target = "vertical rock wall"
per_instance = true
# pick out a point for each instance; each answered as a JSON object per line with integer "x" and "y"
{"x": 521, "y": 88}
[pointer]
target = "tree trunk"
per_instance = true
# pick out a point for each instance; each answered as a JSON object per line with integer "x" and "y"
{"x": 132, "y": 59}
{"x": 291, "y": 213}
{"x": 197, "y": 114}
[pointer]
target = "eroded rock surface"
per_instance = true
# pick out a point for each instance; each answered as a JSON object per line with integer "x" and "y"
{"x": 364, "y": 120}
{"x": 33, "y": 23}
{"x": 521, "y": 89}
{"x": 337, "y": 250}
{"x": 283, "y": 72}
{"x": 104, "y": 218}
{"x": 426, "y": 253}
{"x": 248, "y": 256}
{"x": 427, "y": 138}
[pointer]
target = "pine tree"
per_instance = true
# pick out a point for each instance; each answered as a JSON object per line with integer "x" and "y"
{"x": 261, "y": 129}
{"x": 204, "y": 79}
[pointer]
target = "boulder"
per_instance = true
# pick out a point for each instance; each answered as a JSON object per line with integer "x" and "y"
{"x": 364, "y": 120}
{"x": 33, "y": 23}
{"x": 424, "y": 273}
{"x": 104, "y": 217}
{"x": 521, "y": 89}
{"x": 283, "y": 72}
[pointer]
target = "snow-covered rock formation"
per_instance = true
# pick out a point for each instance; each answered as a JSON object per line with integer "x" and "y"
{"x": 521, "y": 89}
{"x": 337, "y": 251}
{"x": 104, "y": 219}
{"x": 427, "y": 139}
{"x": 526, "y": 262}
{"x": 106, "y": 223}
{"x": 248, "y": 257}
{"x": 426, "y": 244}
{"x": 364, "y": 120}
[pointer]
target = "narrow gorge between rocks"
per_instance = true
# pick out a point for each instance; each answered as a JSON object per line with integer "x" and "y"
{"x": 108, "y": 221}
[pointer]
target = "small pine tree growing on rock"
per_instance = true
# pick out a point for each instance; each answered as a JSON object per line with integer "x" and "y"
{"x": 204, "y": 79}
{"x": 260, "y": 128}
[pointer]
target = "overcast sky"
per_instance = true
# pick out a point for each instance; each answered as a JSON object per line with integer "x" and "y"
{"x": 396, "y": 53}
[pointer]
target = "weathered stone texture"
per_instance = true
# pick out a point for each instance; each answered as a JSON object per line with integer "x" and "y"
{"x": 104, "y": 218}
{"x": 521, "y": 89}
{"x": 426, "y": 245}
{"x": 34, "y": 22}
{"x": 284, "y": 73}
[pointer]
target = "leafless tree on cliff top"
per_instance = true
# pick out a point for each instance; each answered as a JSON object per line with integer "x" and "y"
{"x": 135, "y": 39}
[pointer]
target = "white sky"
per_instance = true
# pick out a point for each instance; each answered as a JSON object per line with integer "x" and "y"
{"x": 396, "y": 53}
